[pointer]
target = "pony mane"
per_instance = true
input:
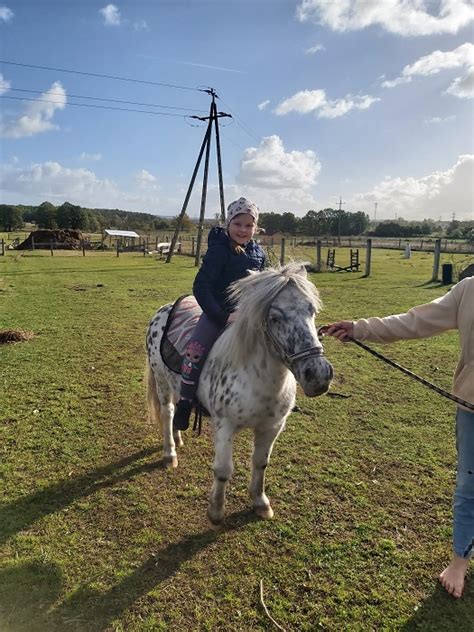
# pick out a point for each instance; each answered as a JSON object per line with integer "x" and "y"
{"x": 253, "y": 296}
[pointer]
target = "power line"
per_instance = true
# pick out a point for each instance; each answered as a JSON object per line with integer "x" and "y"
{"x": 90, "y": 105}
{"x": 93, "y": 74}
{"x": 80, "y": 96}
{"x": 246, "y": 129}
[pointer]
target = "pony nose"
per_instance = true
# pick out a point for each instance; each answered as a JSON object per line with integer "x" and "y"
{"x": 310, "y": 374}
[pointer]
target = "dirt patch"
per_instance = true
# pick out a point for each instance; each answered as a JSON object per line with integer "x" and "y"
{"x": 9, "y": 336}
{"x": 63, "y": 239}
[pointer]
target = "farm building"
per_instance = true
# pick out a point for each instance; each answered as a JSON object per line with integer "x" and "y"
{"x": 124, "y": 238}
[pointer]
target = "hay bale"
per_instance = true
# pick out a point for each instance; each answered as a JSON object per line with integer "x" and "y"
{"x": 9, "y": 336}
{"x": 63, "y": 239}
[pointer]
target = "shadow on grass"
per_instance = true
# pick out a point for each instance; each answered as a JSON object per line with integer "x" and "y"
{"x": 441, "y": 612}
{"x": 24, "y": 511}
{"x": 29, "y": 592}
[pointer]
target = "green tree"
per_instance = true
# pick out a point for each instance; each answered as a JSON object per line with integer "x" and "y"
{"x": 71, "y": 216}
{"x": 288, "y": 223}
{"x": 271, "y": 222}
{"x": 186, "y": 223}
{"x": 10, "y": 217}
{"x": 46, "y": 216}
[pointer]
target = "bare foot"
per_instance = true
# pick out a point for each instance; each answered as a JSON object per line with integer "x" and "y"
{"x": 452, "y": 578}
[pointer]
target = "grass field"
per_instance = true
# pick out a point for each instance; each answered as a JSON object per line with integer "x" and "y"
{"x": 96, "y": 535}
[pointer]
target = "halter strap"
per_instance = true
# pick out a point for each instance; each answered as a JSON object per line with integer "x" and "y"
{"x": 291, "y": 359}
{"x": 306, "y": 353}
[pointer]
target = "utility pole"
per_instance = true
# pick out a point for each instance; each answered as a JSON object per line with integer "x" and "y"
{"x": 375, "y": 211}
{"x": 213, "y": 117}
{"x": 339, "y": 213}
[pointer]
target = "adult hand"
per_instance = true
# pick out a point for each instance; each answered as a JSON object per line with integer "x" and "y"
{"x": 232, "y": 317}
{"x": 342, "y": 330}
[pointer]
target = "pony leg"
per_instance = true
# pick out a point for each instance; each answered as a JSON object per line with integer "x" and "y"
{"x": 263, "y": 445}
{"x": 223, "y": 470}
{"x": 162, "y": 410}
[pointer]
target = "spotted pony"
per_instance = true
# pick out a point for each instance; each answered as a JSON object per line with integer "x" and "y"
{"x": 249, "y": 378}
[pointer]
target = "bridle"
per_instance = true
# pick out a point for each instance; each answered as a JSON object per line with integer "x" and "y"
{"x": 289, "y": 359}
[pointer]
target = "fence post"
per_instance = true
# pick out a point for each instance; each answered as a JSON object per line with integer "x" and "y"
{"x": 83, "y": 248}
{"x": 193, "y": 247}
{"x": 3, "y": 247}
{"x": 32, "y": 242}
{"x": 437, "y": 257}
{"x": 51, "y": 247}
{"x": 117, "y": 248}
{"x": 318, "y": 255}
{"x": 282, "y": 252}
{"x": 368, "y": 257}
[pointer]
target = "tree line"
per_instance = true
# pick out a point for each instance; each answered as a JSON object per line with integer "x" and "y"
{"x": 328, "y": 221}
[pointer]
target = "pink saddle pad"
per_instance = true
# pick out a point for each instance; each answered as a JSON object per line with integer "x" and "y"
{"x": 181, "y": 322}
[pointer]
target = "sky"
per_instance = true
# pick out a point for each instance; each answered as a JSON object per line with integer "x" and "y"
{"x": 364, "y": 102}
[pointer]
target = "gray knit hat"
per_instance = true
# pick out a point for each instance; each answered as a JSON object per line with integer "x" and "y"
{"x": 242, "y": 205}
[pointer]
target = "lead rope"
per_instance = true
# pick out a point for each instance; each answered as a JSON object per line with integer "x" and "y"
{"x": 416, "y": 377}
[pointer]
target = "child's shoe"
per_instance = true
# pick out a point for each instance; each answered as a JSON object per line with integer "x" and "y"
{"x": 182, "y": 414}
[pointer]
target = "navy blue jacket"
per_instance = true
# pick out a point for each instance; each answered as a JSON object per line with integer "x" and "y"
{"x": 221, "y": 267}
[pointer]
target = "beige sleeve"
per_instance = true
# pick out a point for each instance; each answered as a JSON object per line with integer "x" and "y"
{"x": 419, "y": 322}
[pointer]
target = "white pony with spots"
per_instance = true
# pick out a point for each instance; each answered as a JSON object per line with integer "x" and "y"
{"x": 249, "y": 378}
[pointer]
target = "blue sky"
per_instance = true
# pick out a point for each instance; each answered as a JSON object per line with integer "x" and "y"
{"x": 368, "y": 100}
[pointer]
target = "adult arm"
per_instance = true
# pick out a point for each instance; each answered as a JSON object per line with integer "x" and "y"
{"x": 421, "y": 321}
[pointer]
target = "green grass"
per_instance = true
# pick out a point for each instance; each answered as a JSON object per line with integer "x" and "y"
{"x": 96, "y": 535}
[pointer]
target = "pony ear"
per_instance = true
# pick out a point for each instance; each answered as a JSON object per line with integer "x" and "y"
{"x": 302, "y": 271}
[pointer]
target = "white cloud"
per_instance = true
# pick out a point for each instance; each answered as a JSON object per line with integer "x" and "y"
{"x": 90, "y": 157}
{"x": 315, "y": 49}
{"x": 438, "y": 194}
{"x": 57, "y": 183}
{"x": 263, "y": 105}
{"x": 437, "y": 120}
{"x": 393, "y": 83}
{"x": 4, "y": 84}
{"x": 463, "y": 87}
{"x": 145, "y": 179}
{"x": 141, "y": 25}
{"x": 6, "y": 14}
{"x": 269, "y": 166}
{"x": 111, "y": 15}
{"x": 37, "y": 115}
{"x": 316, "y": 101}
{"x": 437, "y": 61}
{"x": 403, "y": 17}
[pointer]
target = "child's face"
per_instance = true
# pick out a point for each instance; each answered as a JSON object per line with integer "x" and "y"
{"x": 242, "y": 228}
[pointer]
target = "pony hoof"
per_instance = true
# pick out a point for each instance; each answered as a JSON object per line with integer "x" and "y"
{"x": 214, "y": 521}
{"x": 170, "y": 462}
{"x": 264, "y": 511}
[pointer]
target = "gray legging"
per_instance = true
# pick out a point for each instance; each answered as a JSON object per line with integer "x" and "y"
{"x": 203, "y": 337}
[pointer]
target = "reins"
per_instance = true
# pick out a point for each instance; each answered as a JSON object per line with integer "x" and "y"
{"x": 416, "y": 377}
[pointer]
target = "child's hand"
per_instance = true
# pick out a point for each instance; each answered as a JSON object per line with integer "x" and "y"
{"x": 342, "y": 330}
{"x": 232, "y": 317}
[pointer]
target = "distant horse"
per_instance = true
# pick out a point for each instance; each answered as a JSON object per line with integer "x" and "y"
{"x": 248, "y": 379}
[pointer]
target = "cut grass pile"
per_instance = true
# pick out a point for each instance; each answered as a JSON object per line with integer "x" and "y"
{"x": 96, "y": 535}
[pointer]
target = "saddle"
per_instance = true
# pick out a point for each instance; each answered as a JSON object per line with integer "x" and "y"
{"x": 179, "y": 326}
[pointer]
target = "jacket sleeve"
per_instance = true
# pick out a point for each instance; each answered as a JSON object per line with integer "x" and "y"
{"x": 264, "y": 261}
{"x": 207, "y": 277}
{"x": 419, "y": 322}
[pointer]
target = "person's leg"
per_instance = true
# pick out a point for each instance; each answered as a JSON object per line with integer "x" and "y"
{"x": 202, "y": 339}
{"x": 452, "y": 578}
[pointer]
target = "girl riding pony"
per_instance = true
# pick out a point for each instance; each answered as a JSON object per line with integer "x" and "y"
{"x": 231, "y": 254}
